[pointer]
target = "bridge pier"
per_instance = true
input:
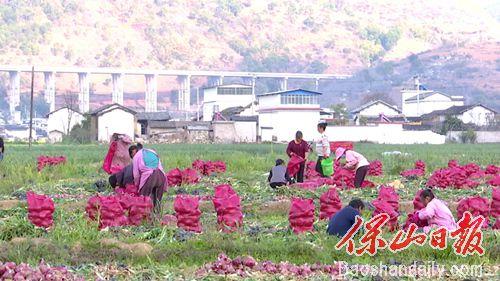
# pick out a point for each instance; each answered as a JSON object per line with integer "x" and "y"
{"x": 254, "y": 79}
{"x": 284, "y": 84}
{"x": 50, "y": 89}
{"x": 84, "y": 93}
{"x": 151, "y": 93}
{"x": 117, "y": 96}
{"x": 184, "y": 92}
{"x": 250, "y": 81}
{"x": 215, "y": 81}
{"x": 14, "y": 92}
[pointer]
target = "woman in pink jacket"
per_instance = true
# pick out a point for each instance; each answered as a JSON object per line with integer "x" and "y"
{"x": 354, "y": 161}
{"x": 149, "y": 177}
{"x": 436, "y": 213}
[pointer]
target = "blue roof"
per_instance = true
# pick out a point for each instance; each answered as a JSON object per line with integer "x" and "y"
{"x": 293, "y": 92}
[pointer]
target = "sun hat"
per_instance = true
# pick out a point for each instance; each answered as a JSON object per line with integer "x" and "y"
{"x": 339, "y": 152}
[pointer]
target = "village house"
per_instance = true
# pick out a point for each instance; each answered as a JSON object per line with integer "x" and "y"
{"x": 146, "y": 119}
{"x": 327, "y": 114}
{"x": 218, "y": 98}
{"x": 417, "y": 101}
{"x": 55, "y": 136}
{"x": 61, "y": 121}
{"x": 18, "y": 132}
{"x": 110, "y": 119}
{"x": 179, "y": 132}
{"x": 375, "y": 112}
{"x": 477, "y": 114}
{"x": 283, "y": 113}
{"x": 244, "y": 120}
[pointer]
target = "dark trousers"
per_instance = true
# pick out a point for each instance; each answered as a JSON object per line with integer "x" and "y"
{"x": 300, "y": 174}
{"x": 360, "y": 176}
{"x": 319, "y": 168}
{"x": 275, "y": 185}
{"x": 154, "y": 188}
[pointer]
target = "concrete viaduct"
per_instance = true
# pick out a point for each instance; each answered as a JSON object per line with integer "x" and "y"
{"x": 117, "y": 75}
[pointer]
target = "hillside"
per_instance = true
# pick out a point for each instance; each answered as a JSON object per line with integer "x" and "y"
{"x": 472, "y": 70}
{"x": 298, "y": 36}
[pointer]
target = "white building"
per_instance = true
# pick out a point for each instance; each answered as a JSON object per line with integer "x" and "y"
{"x": 221, "y": 97}
{"x": 383, "y": 133}
{"x": 477, "y": 114}
{"x": 18, "y": 132}
{"x": 245, "y": 122}
{"x": 62, "y": 120}
{"x": 281, "y": 114}
{"x": 110, "y": 119}
{"x": 375, "y": 110}
{"x": 55, "y": 136}
{"x": 38, "y": 123}
{"x": 417, "y": 100}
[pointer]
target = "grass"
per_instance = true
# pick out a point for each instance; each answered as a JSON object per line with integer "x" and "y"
{"x": 74, "y": 241}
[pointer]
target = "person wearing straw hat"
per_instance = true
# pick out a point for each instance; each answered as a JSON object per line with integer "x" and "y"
{"x": 322, "y": 146}
{"x": 354, "y": 161}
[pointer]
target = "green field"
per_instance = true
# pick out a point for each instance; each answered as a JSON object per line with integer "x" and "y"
{"x": 75, "y": 241}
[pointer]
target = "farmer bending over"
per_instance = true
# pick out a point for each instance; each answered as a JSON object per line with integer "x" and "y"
{"x": 322, "y": 146}
{"x": 125, "y": 176}
{"x": 354, "y": 161}
{"x": 149, "y": 177}
{"x": 343, "y": 220}
{"x": 278, "y": 176}
{"x": 298, "y": 147}
{"x": 435, "y": 212}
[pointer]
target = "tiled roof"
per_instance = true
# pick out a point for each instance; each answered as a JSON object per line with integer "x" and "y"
{"x": 454, "y": 110}
{"x": 290, "y": 91}
{"x": 359, "y": 109}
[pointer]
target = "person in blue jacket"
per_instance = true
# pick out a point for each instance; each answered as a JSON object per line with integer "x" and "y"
{"x": 343, "y": 220}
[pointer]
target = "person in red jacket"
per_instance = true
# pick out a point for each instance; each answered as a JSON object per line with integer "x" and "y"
{"x": 300, "y": 148}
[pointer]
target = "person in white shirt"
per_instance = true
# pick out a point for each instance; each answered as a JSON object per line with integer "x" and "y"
{"x": 322, "y": 146}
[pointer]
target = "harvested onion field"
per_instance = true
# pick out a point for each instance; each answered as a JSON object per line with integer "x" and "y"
{"x": 152, "y": 251}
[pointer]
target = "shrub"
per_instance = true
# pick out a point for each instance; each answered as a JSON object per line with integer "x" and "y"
{"x": 416, "y": 65}
{"x": 330, "y": 44}
{"x": 469, "y": 136}
{"x": 385, "y": 69}
{"x": 318, "y": 66}
{"x": 70, "y": 7}
{"x": 371, "y": 33}
{"x": 363, "y": 120}
{"x": 309, "y": 22}
{"x": 50, "y": 11}
{"x": 271, "y": 6}
{"x": 68, "y": 54}
{"x": 390, "y": 39}
{"x": 81, "y": 133}
{"x": 452, "y": 123}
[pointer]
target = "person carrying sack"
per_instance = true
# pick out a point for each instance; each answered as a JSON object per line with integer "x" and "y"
{"x": 299, "y": 148}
